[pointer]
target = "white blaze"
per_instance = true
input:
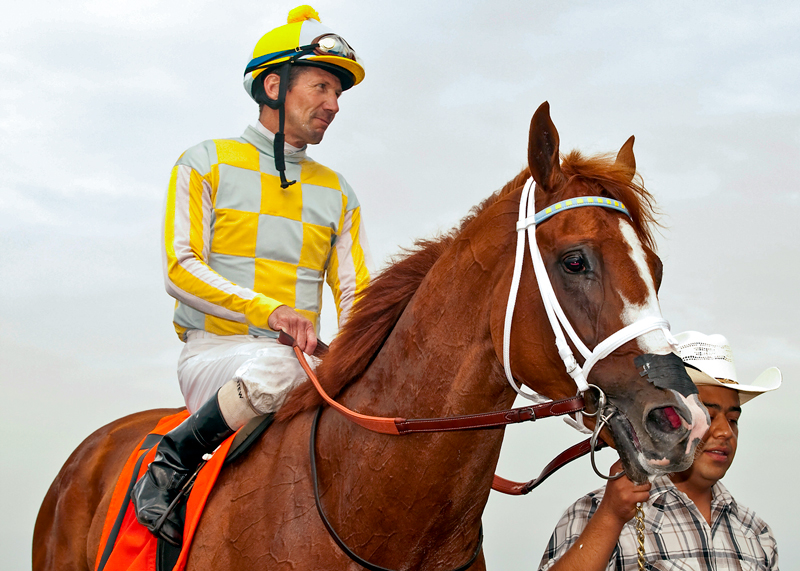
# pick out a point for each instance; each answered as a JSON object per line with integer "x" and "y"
{"x": 654, "y": 342}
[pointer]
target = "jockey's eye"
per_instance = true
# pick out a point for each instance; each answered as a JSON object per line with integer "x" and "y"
{"x": 574, "y": 263}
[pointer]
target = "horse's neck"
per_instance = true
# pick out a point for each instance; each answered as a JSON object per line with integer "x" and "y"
{"x": 431, "y": 486}
{"x": 440, "y": 359}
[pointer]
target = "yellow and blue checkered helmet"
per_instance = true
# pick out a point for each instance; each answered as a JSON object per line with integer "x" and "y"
{"x": 304, "y": 40}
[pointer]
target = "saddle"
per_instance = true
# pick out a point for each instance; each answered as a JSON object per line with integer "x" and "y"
{"x": 125, "y": 544}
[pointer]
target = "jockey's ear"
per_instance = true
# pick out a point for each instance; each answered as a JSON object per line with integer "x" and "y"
{"x": 626, "y": 159}
{"x": 543, "y": 159}
{"x": 272, "y": 84}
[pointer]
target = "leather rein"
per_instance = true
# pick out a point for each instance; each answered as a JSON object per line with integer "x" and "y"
{"x": 399, "y": 426}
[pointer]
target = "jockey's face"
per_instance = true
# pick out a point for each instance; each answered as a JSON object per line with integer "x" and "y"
{"x": 311, "y": 106}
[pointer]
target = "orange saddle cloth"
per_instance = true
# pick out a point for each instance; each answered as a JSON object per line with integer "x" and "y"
{"x": 126, "y": 545}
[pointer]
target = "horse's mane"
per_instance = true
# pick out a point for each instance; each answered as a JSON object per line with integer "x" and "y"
{"x": 382, "y": 303}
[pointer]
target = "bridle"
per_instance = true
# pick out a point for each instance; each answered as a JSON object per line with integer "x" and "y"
{"x": 527, "y": 221}
{"x": 555, "y": 314}
{"x": 543, "y": 407}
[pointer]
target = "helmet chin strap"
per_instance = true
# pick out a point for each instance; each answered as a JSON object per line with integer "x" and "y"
{"x": 555, "y": 314}
{"x": 280, "y": 137}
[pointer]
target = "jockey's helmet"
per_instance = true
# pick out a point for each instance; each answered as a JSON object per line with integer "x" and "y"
{"x": 302, "y": 40}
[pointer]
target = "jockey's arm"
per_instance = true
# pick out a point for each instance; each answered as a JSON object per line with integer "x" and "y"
{"x": 187, "y": 275}
{"x": 349, "y": 266}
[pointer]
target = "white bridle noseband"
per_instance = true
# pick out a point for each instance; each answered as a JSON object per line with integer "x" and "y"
{"x": 558, "y": 320}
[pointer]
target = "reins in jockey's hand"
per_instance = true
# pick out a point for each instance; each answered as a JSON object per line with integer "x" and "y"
{"x": 488, "y": 420}
{"x": 400, "y": 426}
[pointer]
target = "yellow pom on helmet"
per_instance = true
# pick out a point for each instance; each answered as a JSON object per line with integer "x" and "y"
{"x": 304, "y": 39}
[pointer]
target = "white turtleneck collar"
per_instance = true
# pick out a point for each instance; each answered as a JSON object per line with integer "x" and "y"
{"x": 287, "y": 148}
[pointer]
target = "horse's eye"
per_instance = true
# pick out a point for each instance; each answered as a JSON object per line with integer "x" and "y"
{"x": 574, "y": 264}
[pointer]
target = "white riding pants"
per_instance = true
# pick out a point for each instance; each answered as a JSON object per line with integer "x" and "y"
{"x": 268, "y": 369}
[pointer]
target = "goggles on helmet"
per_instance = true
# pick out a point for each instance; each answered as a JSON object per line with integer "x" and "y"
{"x": 324, "y": 45}
{"x": 333, "y": 45}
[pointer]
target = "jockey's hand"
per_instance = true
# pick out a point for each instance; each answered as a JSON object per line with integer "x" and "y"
{"x": 286, "y": 319}
{"x": 622, "y": 495}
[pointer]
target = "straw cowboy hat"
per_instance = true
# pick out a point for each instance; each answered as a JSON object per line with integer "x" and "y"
{"x": 709, "y": 361}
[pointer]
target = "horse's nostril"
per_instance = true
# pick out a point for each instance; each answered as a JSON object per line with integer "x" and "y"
{"x": 673, "y": 417}
{"x": 664, "y": 419}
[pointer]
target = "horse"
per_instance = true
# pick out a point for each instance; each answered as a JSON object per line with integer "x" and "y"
{"x": 426, "y": 340}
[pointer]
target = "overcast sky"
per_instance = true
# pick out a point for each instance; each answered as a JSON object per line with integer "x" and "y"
{"x": 99, "y": 98}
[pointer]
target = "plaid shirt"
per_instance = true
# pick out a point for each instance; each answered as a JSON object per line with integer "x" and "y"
{"x": 677, "y": 536}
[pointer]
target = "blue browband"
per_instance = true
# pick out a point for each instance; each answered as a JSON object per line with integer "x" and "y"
{"x": 569, "y": 203}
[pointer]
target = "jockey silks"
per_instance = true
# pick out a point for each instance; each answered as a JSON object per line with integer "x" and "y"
{"x": 237, "y": 245}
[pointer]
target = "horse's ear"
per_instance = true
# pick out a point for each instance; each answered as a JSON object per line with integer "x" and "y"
{"x": 626, "y": 159}
{"x": 543, "y": 150}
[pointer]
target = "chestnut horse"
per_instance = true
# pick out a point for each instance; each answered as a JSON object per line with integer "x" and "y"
{"x": 426, "y": 340}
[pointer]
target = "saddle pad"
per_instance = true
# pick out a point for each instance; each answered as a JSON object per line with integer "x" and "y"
{"x": 125, "y": 544}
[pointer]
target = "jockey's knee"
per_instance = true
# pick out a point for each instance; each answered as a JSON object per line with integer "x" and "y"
{"x": 235, "y": 405}
{"x": 242, "y": 399}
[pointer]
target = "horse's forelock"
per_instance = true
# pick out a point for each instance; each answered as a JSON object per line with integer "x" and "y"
{"x": 616, "y": 182}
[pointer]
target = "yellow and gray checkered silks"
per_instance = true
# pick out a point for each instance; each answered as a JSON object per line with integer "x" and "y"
{"x": 237, "y": 245}
{"x": 302, "y": 29}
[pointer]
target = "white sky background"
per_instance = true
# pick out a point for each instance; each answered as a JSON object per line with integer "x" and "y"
{"x": 98, "y": 99}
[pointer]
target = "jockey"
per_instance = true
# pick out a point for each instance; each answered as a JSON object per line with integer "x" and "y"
{"x": 252, "y": 227}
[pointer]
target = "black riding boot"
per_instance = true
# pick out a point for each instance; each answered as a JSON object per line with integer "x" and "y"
{"x": 178, "y": 456}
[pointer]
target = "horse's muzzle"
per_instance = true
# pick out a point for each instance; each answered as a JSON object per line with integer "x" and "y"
{"x": 664, "y": 433}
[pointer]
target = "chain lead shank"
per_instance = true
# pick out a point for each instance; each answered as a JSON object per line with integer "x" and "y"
{"x": 640, "y": 535}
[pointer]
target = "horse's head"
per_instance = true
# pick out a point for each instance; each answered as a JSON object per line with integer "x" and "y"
{"x": 605, "y": 274}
